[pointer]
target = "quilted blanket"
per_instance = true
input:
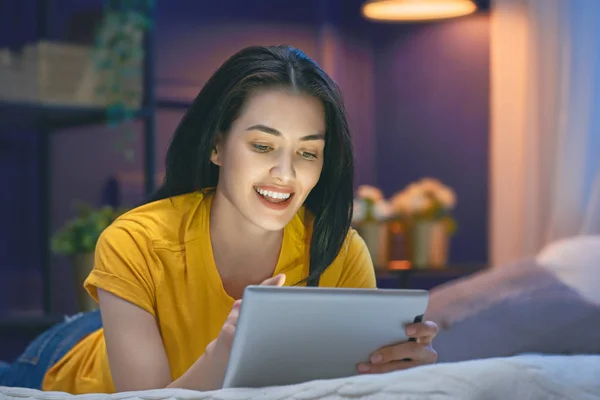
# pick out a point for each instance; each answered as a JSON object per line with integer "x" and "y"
{"x": 523, "y": 377}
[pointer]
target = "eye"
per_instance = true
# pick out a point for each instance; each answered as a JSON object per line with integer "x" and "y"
{"x": 308, "y": 155}
{"x": 261, "y": 148}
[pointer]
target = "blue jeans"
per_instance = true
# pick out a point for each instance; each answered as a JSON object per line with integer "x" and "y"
{"x": 47, "y": 349}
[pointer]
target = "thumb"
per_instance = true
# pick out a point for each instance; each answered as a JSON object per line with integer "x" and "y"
{"x": 277, "y": 280}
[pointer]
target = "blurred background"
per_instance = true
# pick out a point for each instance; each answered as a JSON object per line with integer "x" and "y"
{"x": 477, "y": 135}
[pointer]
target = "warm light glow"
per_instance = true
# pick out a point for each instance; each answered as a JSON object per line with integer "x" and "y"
{"x": 399, "y": 265}
{"x": 416, "y": 10}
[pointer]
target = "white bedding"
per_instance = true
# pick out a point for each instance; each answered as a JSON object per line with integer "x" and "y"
{"x": 523, "y": 377}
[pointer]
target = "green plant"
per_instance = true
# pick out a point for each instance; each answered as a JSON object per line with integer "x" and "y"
{"x": 80, "y": 234}
{"x": 118, "y": 57}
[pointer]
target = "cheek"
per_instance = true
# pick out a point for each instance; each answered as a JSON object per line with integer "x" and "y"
{"x": 242, "y": 166}
{"x": 233, "y": 164}
{"x": 308, "y": 174}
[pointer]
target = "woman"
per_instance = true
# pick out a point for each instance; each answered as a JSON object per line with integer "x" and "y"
{"x": 258, "y": 189}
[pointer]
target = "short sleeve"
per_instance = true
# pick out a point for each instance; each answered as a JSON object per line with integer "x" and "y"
{"x": 357, "y": 271}
{"x": 125, "y": 265}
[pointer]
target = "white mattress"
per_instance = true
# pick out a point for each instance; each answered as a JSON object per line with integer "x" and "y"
{"x": 522, "y": 377}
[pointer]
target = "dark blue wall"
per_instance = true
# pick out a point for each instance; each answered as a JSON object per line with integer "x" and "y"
{"x": 432, "y": 93}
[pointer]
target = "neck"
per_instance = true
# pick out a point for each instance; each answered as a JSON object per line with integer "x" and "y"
{"x": 239, "y": 246}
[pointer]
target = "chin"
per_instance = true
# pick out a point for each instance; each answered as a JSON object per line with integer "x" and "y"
{"x": 270, "y": 224}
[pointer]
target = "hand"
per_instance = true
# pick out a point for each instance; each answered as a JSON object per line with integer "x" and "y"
{"x": 217, "y": 351}
{"x": 405, "y": 355}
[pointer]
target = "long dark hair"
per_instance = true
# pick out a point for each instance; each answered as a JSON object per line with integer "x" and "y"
{"x": 188, "y": 166}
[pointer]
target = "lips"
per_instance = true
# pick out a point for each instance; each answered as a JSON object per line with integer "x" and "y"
{"x": 274, "y": 196}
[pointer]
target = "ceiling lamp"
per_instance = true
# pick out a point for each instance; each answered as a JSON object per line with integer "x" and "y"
{"x": 416, "y": 10}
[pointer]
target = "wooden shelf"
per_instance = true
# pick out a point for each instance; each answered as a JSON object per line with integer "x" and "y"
{"x": 167, "y": 104}
{"x": 52, "y": 117}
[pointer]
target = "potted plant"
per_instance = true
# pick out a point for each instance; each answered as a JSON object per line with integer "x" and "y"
{"x": 118, "y": 57}
{"x": 77, "y": 239}
{"x": 370, "y": 216}
{"x": 424, "y": 208}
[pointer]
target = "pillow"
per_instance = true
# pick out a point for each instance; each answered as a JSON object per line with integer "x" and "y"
{"x": 576, "y": 262}
{"x": 509, "y": 310}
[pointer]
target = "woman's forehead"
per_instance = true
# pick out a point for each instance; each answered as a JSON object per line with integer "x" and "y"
{"x": 288, "y": 113}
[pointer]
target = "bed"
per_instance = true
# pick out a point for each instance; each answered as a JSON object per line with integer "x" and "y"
{"x": 524, "y": 377}
{"x": 522, "y": 331}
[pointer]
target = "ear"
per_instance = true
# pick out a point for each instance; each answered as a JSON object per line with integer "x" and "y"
{"x": 215, "y": 157}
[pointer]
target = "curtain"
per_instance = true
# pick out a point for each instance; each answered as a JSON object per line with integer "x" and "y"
{"x": 545, "y": 124}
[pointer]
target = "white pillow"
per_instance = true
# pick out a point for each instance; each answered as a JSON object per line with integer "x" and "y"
{"x": 576, "y": 262}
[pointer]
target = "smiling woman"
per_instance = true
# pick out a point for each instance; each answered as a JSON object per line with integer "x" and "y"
{"x": 258, "y": 190}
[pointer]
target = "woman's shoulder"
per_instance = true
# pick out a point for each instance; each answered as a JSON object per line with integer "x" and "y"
{"x": 302, "y": 225}
{"x": 160, "y": 221}
{"x": 353, "y": 243}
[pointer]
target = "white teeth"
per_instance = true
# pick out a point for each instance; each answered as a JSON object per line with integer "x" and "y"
{"x": 274, "y": 195}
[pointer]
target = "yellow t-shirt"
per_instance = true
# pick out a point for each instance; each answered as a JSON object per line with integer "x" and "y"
{"x": 159, "y": 257}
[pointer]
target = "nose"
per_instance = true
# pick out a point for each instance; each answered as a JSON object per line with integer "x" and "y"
{"x": 284, "y": 169}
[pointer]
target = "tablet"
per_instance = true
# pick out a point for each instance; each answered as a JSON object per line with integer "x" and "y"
{"x": 288, "y": 335}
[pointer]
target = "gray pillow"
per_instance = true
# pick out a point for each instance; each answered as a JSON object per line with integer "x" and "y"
{"x": 509, "y": 310}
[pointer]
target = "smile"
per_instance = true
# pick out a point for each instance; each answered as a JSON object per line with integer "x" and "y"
{"x": 272, "y": 196}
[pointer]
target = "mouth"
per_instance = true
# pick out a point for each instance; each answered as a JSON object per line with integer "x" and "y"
{"x": 274, "y": 197}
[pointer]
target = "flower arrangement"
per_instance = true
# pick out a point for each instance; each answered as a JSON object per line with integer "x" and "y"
{"x": 370, "y": 215}
{"x": 80, "y": 234}
{"x": 425, "y": 200}
{"x": 370, "y": 205}
{"x": 414, "y": 224}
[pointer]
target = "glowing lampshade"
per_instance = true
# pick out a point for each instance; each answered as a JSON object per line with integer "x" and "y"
{"x": 416, "y": 10}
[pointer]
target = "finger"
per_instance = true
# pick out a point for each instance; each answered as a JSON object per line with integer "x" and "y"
{"x": 228, "y": 329}
{"x": 403, "y": 351}
{"x": 233, "y": 316}
{"x": 368, "y": 368}
{"x": 277, "y": 280}
{"x": 425, "y": 331}
{"x": 231, "y": 320}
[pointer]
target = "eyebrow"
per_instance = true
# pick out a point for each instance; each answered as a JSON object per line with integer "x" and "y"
{"x": 275, "y": 132}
